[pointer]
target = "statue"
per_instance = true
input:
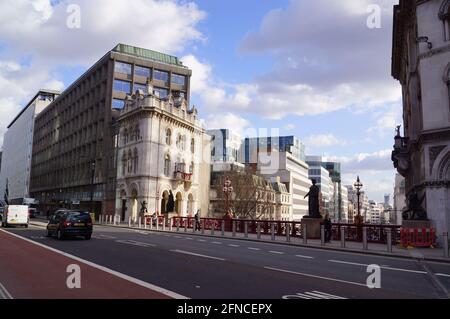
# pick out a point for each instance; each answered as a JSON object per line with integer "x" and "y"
{"x": 415, "y": 210}
{"x": 313, "y": 200}
{"x": 170, "y": 203}
{"x": 144, "y": 209}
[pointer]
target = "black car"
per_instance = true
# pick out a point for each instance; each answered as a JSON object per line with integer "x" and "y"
{"x": 65, "y": 223}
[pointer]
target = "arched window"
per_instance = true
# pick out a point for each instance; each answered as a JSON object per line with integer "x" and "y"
{"x": 444, "y": 15}
{"x": 192, "y": 146}
{"x": 125, "y": 136}
{"x": 130, "y": 161}
{"x": 137, "y": 133}
{"x": 167, "y": 165}
{"x": 181, "y": 141}
{"x": 124, "y": 163}
{"x": 168, "y": 136}
{"x": 135, "y": 160}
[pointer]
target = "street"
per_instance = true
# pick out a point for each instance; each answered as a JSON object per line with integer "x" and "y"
{"x": 208, "y": 268}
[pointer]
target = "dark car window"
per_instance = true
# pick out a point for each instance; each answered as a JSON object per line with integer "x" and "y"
{"x": 78, "y": 216}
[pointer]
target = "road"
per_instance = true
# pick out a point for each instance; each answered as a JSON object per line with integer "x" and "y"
{"x": 211, "y": 268}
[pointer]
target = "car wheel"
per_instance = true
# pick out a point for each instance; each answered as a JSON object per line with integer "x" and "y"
{"x": 59, "y": 235}
{"x": 87, "y": 237}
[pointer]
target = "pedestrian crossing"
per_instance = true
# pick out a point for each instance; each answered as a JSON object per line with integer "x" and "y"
{"x": 313, "y": 295}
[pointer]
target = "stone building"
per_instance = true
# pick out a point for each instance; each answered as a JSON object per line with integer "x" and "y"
{"x": 163, "y": 151}
{"x": 74, "y": 160}
{"x": 421, "y": 63}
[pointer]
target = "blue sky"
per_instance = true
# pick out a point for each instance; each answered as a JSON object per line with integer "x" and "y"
{"x": 311, "y": 68}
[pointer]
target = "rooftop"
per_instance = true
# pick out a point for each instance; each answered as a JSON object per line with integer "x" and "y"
{"x": 148, "y": 54}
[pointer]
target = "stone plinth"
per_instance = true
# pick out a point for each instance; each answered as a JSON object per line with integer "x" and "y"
{"x": 312, "y": 227}
{"x": 416, "y": 224}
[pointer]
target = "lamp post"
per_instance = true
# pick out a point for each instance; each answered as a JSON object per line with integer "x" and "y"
{"x": 358, "y": 185}
{"x": 227, "y": 190}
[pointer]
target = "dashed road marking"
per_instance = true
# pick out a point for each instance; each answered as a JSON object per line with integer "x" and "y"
{"x": 303, "y": 256}
{"x": 201, "y": 240}
{"x": 233, "y": 245}
{"x": 313, "y": 295}
{"x": 216, "y": 243}
{"x": 387, "y": 268}
{"x": 276, "y": 252}
{"x": 135, "y": 243}
{"x": 252, "y": 248}
{"x": 195, "y": 254}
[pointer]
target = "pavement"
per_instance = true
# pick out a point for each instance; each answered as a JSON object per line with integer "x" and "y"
{"x": 205, "y": 267}
{"x": 430, "y": 254}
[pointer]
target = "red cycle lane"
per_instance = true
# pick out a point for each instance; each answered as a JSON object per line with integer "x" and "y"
{"x": 29, "y": 271}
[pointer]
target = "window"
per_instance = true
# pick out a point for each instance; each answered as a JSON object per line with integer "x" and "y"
{"x": 162, "y": 93}
{"x": 181, "y": 142}
{"x": 142, "y": 71}
{"x": 130, "y": 161}
{"x": 191, "y": 168}
{"x": 118, "y": 104}
{"x": 137, "y": 133}
{"x": 213, "y": 151}
{"x": 124, "y": 163}
{"x": 121, "y": 67}
{"x": 125, "y": 136}
{"x": 161, "y": 76}
{"x": 167, "y": 165}
{"x": 168, "y": 136}
{"x": 179, "y": 79}
{"x": 179, "y": 94}
{"x": 142, "y": 87}
{"x": 444, "y": 15}
{"x": 122, "y": 86}
{"x": 135, "y": 160}
{"x": 192, "y": 146}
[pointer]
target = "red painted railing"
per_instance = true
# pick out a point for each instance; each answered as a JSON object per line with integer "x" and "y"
{"x": 353, "y": 232}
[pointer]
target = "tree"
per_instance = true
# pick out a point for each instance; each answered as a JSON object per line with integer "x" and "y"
{"x": 253, "y": 197}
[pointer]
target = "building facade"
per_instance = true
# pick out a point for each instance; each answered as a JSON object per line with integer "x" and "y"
{"x": 323, "y": 180}
{"x": 76, "y": 137}
{"x": 421, "y": 63}
{"x": 226, "y": 146}
{"x": 161, "y": 154}
{"x": 399, "y": 198}
{"x": 17, "y": 148}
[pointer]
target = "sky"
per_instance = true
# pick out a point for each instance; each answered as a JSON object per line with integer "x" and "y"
{"x": 309, "y": 68}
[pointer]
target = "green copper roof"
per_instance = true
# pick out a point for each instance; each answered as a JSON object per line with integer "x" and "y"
{"x": 147, "y": 54}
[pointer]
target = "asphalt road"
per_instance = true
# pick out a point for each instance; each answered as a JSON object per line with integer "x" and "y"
{"x": 211, "y": 268}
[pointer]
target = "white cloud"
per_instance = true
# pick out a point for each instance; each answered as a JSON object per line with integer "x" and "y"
{"x": 324, "y": 140}
{"x": 289, "y": 127}
{"x": 386, "y": 121}
{"x": 39, "y": 29}
{"x": 227, "y": 121}
{"x": 366, "y": 162}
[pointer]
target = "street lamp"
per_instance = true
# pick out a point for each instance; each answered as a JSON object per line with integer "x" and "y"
{"x": 358, "y": 185}
{"x": 227, "y": 190}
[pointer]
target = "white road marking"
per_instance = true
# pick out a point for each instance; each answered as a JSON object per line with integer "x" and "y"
{"x": 314, "y": 276}
{"x": 233, "y": 245}
{"x": 252, "y": 248}
{"x": 302, "y": 256}
{"x": 201, "y": 240}
{"x": 100, "y": 236}
{"x": 109, "y": 271}
{"x": 178, "y": 237}
{"x": 442, "y": 275}
{"x": 135, "y": 243}
{"x": 216, "y": 243}
{"x": 197, "y": 255}
{"x": 387, "y": 268}
{"x": 313, "y": 295}
{"x": 276, "y": 252}
{"x": 4, "y": 294}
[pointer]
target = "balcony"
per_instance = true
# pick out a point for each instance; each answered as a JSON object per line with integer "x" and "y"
{"x": 180, "y": 173}
{"x": 400, "y": 154}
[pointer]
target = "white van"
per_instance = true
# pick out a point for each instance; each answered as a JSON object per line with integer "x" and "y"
{"x": 15, "y": 215}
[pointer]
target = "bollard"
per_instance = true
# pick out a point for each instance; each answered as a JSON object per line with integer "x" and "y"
{"x": 108, "y": 219}
{"x": 202, "y": 225}
{"x": 194, "y": 226}
{"x": 389, "y": 240}
{"x": 234, "y": 228}
{"x": 139, "y": 222}
{"x": 164, "y": 224}
{"x": 157, "y": 223}
{"x": 258, "y": 230}
{"x": 145, "y": 222}
{"x": 170, "y": 224}
{"x": 186, "y": 225}
{"x": 305, "y": 234}
{"x": 272, "y": 231}
{"x": 129, "y": 221}
{"x": 288, "y": 232}
{"x": 222, "y": 228}
{"x": 342, "y": 236}
{"x": 213, "y": 226}
{"x": 365, "y": 247}
{"x": 246, "y": 229}
{"x": 178, "y": 224}
{"x": 322, "y": 235}
{"x": 100, "y": 219}
{"x": 445, "y": 235}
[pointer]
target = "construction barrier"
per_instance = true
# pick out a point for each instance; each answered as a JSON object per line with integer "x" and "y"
{"x": 418, "y": 237}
